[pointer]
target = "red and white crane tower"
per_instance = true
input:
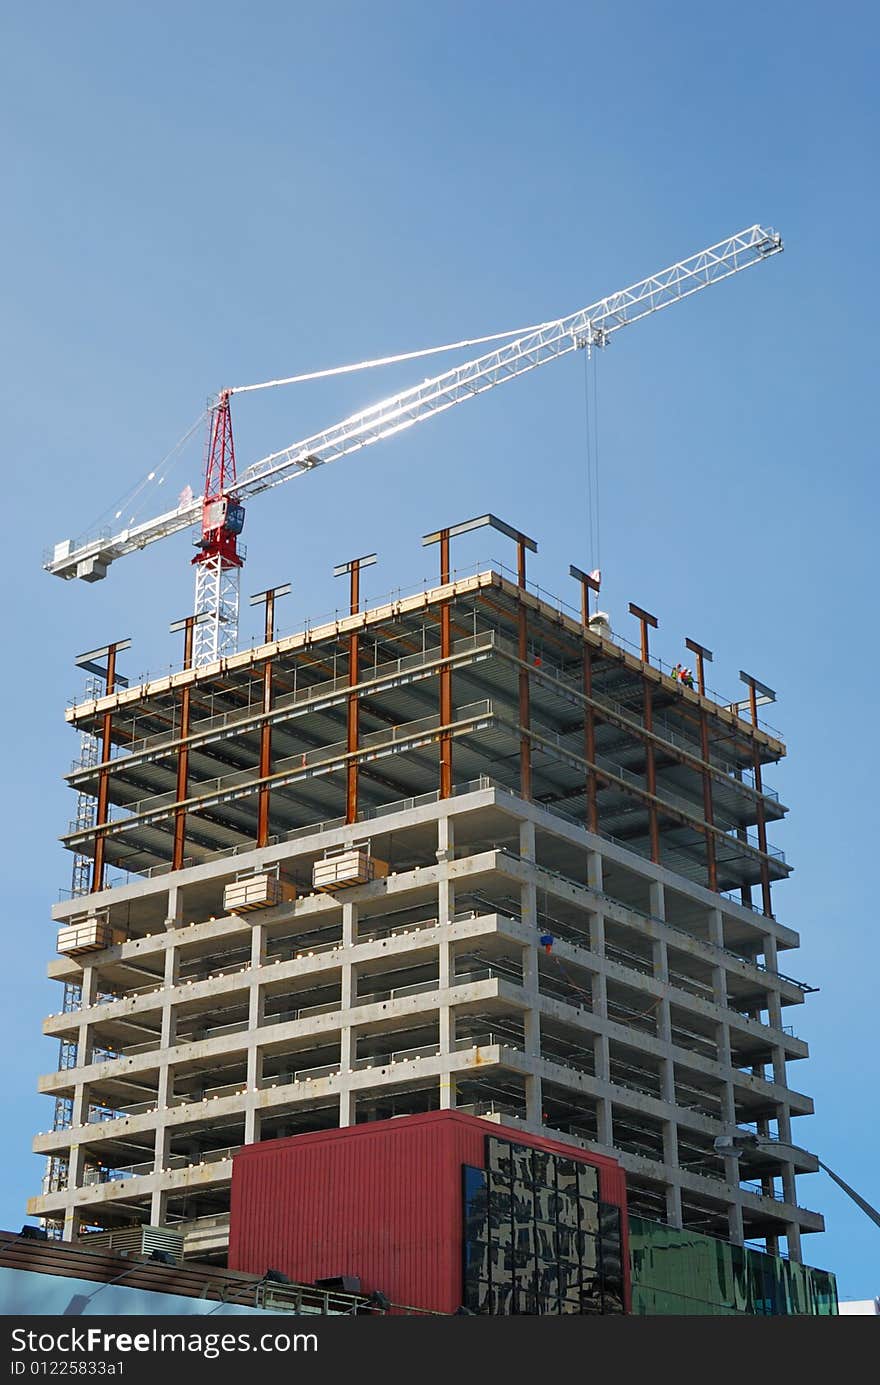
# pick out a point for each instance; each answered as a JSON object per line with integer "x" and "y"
{"x": 220, "y": 508}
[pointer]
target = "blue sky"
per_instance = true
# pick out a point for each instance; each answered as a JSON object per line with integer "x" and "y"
{"x": 196, "y": 196}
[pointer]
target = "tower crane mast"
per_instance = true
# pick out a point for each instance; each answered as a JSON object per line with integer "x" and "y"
{"x": 220, "y": 510}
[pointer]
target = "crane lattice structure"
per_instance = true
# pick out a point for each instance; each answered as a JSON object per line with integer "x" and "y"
{"x": 220, "y": 509}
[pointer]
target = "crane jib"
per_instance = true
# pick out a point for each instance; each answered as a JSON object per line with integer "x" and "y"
{"x": 592, "y": 326}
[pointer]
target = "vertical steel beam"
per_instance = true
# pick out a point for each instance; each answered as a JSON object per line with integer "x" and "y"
{"x": 443, "y": 537}
{"x": 525, "y": 742}
{"x": 352, "y": 728}
{"x": 708, "y": 809}
{"x": 178, "y": 852}
{"x": 704, "y": 656}
{"x": 111, "y": 678}
{"x": 445, "y": 672}
{"x": 99, "y": 866}
{"x": 267, "y": 599}
{"x": 589, "y": 581}
{"x": 766, "y": 900}
{"x": 651, "y": 773}
{"x": 645, "y": 620}
{"x": 754, "y": 687}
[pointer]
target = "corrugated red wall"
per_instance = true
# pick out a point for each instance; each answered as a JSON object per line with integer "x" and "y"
{"x": 382, "y": 1201}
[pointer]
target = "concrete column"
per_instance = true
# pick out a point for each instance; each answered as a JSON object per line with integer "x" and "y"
{"x": 75, "y": 1166}
{"x": 664, "y": 1016}
{"x": 174, "y": 916}
{"x": 445, "y": 839}
{"x": 532, "y": 1030}
{"x": 169, "y": 1017}
{"x": 793, "y": 1242}
{"x": 673, "y": 1201}
{"x": 716, "y": 927}
{"x": 161, "y": 1160}
{"x": 597, "y": 934}
{"x": 256, "y": 1017}
{"x": 527, "y": 841}
{"x": 251, "y": 1125}
{"x": 734, "y": 1210}
{"x": 84, "y": 1042}
{"x": 81, "y": 1099}
{"x": 605, "y": 1122}
{"x": 445, "y": 958}
{"x": 349, "y": 925}
{"x": 158, "y": 1207}
{"x": 594, "y": 870}
{"x": 346, "y": 1105}
{"x": 658, "y": 900}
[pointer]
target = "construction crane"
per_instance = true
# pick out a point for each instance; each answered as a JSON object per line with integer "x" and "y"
{"x": 220, "y": 510}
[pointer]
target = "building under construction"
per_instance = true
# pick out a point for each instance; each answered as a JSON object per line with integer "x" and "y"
{"x": 464, "y": 851}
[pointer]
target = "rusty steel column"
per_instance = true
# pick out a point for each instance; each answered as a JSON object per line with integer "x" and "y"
{"x": 651, "y": 775}
{"x": 525, "y": 743}
{"x": 766, "y": 900}
{"x": 187, "y": 625}
{"x": 755, "y": 686}
{"x": 589, "y": 581}
{"x": 708, "y": 809}
{"x": 704, "y": 655}
{"x": 266, "y": 598}
{"x": 111, "y": 678}
{"x": 443, "y": 537}
{"x": 590, "y": 743}
{"x": 352, "y": 715}
{"x": 445, "y": 674}
{"x": 99, "y": 865}
{"x": 646, "y": 619}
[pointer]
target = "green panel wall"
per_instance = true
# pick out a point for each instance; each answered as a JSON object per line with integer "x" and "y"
{"x": 684, "y": 1272}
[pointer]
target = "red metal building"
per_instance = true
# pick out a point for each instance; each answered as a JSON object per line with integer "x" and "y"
{"x": 437, "y": 1211}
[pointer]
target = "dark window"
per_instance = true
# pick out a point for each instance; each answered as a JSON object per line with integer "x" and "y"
{"x": 537, "y": 1240}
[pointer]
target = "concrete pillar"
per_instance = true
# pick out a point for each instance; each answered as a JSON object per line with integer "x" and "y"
{"x": 256, "y": 1017}
{"x": 534, "y": 1099}
{"x": 174, "y": 915}
{"x": 161, "y": 1161}
{"x": 169, "y": 1016}
{"x": 251, "y": 1125}
{"x": 158, "y": 1207}
{"x": 674, "y": 1215}
{"x": 72, "y": 1223}
{"x": 527, "y": 841}
{"x": 597, "y": 934}
{"x": 716, "y": 927}
{"x": 346, "y": 1106}
{"x": 594, "y": 870}
{"x": 349, "y": 925}
{"x": 81, "y": 1100}
{"x": 445, "y": 839}
{"x": 658, "y": 900}
{"x": 793, "y": 1242}
{"x": 605, "y": 1122}
{"x": 734, "y": 1210}
{"x": 84, "y": 1042}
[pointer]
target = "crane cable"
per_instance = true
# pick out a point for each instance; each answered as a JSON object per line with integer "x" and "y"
{"x": 160, "y": 472}
{"x": 388, "y": 360}
{"x": 591, "y": 427}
